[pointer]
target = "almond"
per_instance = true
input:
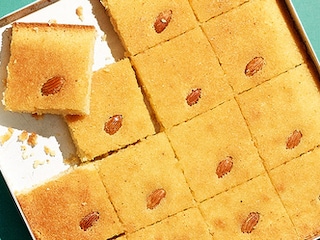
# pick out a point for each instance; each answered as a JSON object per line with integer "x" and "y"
{"x": 224, "y": 167}
{"x": 254, "y": 66}
{"x": 113, "y": 125}
{"x": 294, "y": 139}
{"x": 89, "y": 220}
{"x": 52, "y": 86}
{"x": 162, "y": 21}
{"x": 250, "y": 222}
{"x": 155, "y": 198}
{"x": 194, "y": 96}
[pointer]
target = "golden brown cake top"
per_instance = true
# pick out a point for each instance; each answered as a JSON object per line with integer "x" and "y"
{"x": 50, "y": 68}
{"x": 72, "y": 206}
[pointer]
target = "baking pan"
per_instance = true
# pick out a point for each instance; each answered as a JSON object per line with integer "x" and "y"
{"x": 304, "y": 13}
{"x": 307, "y": 19}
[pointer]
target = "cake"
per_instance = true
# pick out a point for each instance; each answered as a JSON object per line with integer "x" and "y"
{"x": 252, "y": 210}
{"x": 144, "y": 24}
{"x": 181, "y": 69}
{"x": 72, "y": 206}
{"x": 145, "y": 183}
{"x": 216, "y": 137}
{"x": 208, "y": 129}
{"x": 255, "y": 31}
{"x": 297, "y": 185}
{"x": 118, "y": 115}
{"x": 50, "y": 68}
{"x": 186, "y": 225}
{"x": 280, "y": 109}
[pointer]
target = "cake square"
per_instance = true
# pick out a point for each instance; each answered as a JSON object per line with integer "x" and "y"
{"x": 118, "y": 115}
{"x": 57, "y": 208}
{"x": 206, "y": 9}
{"x": 230, "y": 214}
{"x": 182, "y": 78}
{"x": 135, "y": 21}
{"x": 50, "y": 68}
{"x": 283, "y": 115}
{"x": 219, "y": 136}
{"x": 186, "y": 225}
{"x": 254, "y": 42}
{"x": 145, "y": 183}
{"x": 297, "y": 183}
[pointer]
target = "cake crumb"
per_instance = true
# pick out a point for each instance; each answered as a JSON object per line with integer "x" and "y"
{"x": 24, "y": 153}
{"x": 49, "y": 151}
{"x": 79, "y": 12}
{"x": 23, "y": 136}
{"x": 4, "y": 138}
{"x": 37, "y": 163}
{"x": 32, "y": 140}
{"x": 52, "y": 21}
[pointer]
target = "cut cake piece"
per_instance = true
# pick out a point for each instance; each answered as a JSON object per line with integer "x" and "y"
{"x": 297, "y": 183}
{"x": 50, "y": 68}
{"x": 258, "y": 33}
{"x": 217, "y": 137}
{"x": 283, "y": 115}
{"x": 74, "y": 205}
{"x": 135, "y": 21}
{"x": 206, "y": 9}
{"x": 186, "y": 225}
{"x": 145, "y": 183}
{"x": 252, "y": 210}
{"x": 118, "y": 115}
{"x": 182, "y": 78}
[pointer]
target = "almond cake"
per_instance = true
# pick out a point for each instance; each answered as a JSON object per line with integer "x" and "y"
{"x": 143, "y": 24}
{"x": 118, "y": 115}
{"x": 149, "y": 175}
{"x": 210, "y": 139}
{"x": 50, "y": 68}
{"x": 182, "y": 78}
{"x": 62, "y": 207}
{"x": 257, "y": 30}
{"x": 208, "y": 129}
{"x": 281, "y": 108}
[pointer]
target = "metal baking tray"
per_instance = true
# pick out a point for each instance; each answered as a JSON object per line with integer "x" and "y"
{"x": 13, "y": 10}
{"x": 307, "y": 20}
{"x": 64, "y": 11}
